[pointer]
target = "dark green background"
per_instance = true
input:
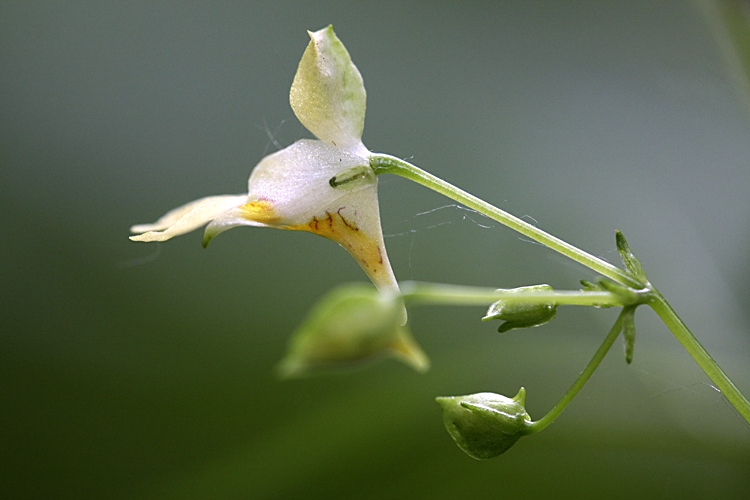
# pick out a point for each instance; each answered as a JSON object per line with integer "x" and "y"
{"x": 146, "y": 371}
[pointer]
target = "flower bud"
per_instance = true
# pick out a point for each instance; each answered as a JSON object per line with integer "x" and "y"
{"x": 485, "y": 425}
{"x": 352, "y": 324}
{"x": 522, "y": 314}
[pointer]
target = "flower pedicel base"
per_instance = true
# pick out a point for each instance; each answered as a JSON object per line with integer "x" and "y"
{"x": 329, "y": 187}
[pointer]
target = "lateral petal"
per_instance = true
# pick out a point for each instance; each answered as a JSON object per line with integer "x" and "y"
{"x": 186, "y": 218}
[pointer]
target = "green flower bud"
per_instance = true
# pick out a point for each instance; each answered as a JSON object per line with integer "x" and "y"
{"x": 485, "y": 425}
{"x": 518, "y": 314}
{"x": 352, "y": 324}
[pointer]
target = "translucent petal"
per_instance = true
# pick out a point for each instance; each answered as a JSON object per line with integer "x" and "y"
{"x": 354, "y": 223}
{"x": 328, "y": 94}
{"x": 297, "y": 181}
{"x": 186, "y": 218}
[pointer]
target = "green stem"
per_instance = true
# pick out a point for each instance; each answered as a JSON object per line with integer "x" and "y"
{"x": 582, "y": 378}
{"x": 700, "y": 355}
{"x": 441, "y": 294}
{"x": 382, "y": 164}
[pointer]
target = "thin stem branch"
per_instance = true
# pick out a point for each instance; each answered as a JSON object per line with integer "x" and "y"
{"x": 582, "y": 378}
{"x": 442, "y": 294}
{"x": 382, "y": 163}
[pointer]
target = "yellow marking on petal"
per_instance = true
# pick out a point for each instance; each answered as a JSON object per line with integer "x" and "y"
{"x": 261, "y": 211}
{"x": 365, "y": 250}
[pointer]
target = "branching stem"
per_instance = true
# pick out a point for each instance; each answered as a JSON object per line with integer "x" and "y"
{"x": 382, "y": 164}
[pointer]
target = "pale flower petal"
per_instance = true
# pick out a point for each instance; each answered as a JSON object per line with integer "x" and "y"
{"x": 354, "y": 223}
{"x": 328, "y": 94}
{"x": 298, "y": 183}
{"x": 186, "y": 218}
{"x": 296, "y": 180}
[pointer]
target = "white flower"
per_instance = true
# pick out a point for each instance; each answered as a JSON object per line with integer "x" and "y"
{"x": 321, "y": 186}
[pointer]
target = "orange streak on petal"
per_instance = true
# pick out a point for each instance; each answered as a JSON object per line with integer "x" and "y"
{"x": 336, "y": 227}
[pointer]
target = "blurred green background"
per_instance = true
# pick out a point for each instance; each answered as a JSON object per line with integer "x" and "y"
{"x": 146, "y": 371}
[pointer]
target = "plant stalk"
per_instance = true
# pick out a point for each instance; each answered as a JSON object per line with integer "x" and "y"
{"x": 700, "y": 355}
{"x": 582, "y": 378}
{"x": 442, "y": 294}
{"x": 382, "y": 164}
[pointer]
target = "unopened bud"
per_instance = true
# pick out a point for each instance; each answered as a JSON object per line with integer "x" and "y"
{"x": 352, "y": 324}
{"x": 485, "y": 425}
{"x": 522, "y": 314}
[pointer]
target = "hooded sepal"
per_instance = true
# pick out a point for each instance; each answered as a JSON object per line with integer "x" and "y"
{"x": 319, "y": 188}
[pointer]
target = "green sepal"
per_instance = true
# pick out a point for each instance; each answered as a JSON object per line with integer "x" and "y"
{"x": 589, "y": 286}
{"x": 485, "y": 425}
{"x": 628, "y": 331}
{"x": 627, "y": 296}
{"x": 350, "y": 325}
{"x": 521, "y": 314}
{"x": 629, "y": 260}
